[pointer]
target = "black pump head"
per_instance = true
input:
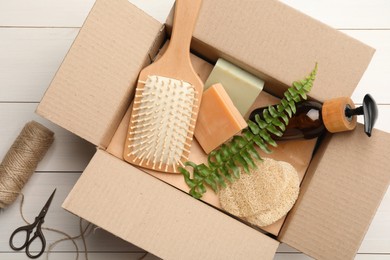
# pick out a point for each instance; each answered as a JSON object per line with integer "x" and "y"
{"x": 369, "y": 110}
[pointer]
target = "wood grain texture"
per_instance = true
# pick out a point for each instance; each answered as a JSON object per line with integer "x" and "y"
{"x": 34, "y": 38}
{"x": 175, "y": 64}
{"x": 30, "y": 57}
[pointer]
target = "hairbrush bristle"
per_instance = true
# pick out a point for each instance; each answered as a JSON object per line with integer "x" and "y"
{"x": 162, "y": 123}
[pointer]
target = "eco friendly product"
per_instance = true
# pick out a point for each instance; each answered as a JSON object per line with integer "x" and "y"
{"x": 311, "y": 118}
{"x": 22, "y": 159}
{"x": 218, "y": 119}
{"x": 226, "y": 162}
{"x": 167, "y": 101}
{"x": 263, "y": 196}
{"x": 241, "y": 86}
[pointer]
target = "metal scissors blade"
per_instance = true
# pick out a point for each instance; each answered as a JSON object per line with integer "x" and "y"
{"x": 45, "y": 208}
{"x": 28, "y": 229}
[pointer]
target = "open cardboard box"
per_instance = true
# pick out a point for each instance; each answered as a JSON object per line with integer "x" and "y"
{"x": 93, "y": 89}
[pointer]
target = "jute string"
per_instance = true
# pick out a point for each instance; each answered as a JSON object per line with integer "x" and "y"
{"x": 16, "y": 169}
{"x": 22, "y": 159}
{"x": 83, "y": 233}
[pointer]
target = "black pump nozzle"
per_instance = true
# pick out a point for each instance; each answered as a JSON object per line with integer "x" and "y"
{"x": 369, "y": 110}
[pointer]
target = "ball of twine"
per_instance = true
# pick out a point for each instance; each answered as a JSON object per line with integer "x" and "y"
{"x": 22, "y": 159}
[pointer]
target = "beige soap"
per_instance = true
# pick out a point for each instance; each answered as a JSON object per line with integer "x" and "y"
{"x": 218, "y": 119}
{"x": 241, "y": 86}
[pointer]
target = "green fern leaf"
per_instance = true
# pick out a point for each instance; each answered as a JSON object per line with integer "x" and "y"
{"x": 239, "y": 159}
{"x": 254, "y": 127}
{"x": 253, "y": 152}
{"x": 272, "y": 129}
{"x": 292, "y": 106}
{"x": 236, "y": 171}
{"x": 278, "y": 123}
{"x": 267, "y": 117}
{"x": 261, "y": 123}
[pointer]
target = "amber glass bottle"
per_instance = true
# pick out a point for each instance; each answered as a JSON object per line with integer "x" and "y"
{"x": 336, "y": 115}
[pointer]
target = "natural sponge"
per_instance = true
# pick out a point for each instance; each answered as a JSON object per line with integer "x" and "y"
{"x": 263, "y": 196}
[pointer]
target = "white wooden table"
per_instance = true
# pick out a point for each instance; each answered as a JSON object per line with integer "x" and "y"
{"x": 34, "y": 38}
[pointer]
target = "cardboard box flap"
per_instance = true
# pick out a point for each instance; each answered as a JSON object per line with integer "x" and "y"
{"x": 92, "y": 89}
{"x": 340, "y": 195}
{"x": 132, "y": 205}
{"x": 280, "y": 45}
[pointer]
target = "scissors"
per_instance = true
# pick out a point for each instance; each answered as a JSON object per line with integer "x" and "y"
{"x": 29, "y": 229}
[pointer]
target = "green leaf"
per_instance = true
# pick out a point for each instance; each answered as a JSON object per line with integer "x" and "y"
{"x": 239, "y": 140}
{"x": 218, "y": 157}
{"x": 254, "y": 128}
{"x": 187, "y": 177}
{"x": 233, "y": 147}
{"x": 248, "y": 159}
{"x": 253, "y": 152}
{"x": 238, "y": 158}
{"x": 248, "y": 135}
{"x": 297, "y": 85}
{"x": 184, "y": 172}
{"x": 280, "y": 108}
{"x": 273, "y": 111}
{"x": 211, "y": 182}
{"x": 225, "y": 152}
{"x": 260, "y": 143}
{"x": 262, "y": 124}
{"x": 292, "y": 91}
{"x": 284, "y": 117}
{"x": 269, "y": 139}
{"x": 284, "y": 103}
{"x": 307, "y": 87}
{"x": 278, "y": 123}
{"x": 203, "y": 170}
{"x": 236, "y": 171}
{"x": 273, "y": 130}
{"x": 195, "y": 194}
{"x": 288, "y": 97}
{"x": 218, "y": 178}
{"x": 201, "y": 188}
{"x": 292, "y": 106}
{"x": 225, "y": 172}
{"x": 296, "y": 98}
{"x": 302, "y": 93}
{"x": 210, "y": 158}
{"x": 289, "y": 112}
{"x": 267, "y": 117}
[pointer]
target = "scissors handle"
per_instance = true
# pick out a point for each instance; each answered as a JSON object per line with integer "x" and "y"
{"x": 28, "y": 229}
{"x": 37, "y": 235}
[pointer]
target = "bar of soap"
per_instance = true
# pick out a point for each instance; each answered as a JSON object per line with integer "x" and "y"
{"x": 218, "y": 119}
{"x": 242, "y": 87}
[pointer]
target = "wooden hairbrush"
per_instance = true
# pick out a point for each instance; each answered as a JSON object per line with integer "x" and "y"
{"x": 166, "y": 101}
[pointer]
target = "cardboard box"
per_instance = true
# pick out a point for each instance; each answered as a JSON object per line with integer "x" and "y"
{"x": 93, "y": 89}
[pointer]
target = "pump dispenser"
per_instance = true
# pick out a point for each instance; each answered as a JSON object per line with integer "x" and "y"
{"x": 335, "y": 115}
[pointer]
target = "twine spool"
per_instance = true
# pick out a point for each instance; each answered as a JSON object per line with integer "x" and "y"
{"x": 22, "y": 159}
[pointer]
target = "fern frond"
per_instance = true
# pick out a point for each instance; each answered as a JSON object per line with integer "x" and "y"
{"x": 226, "y": 163}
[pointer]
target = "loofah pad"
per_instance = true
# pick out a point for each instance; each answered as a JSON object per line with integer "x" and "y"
{"x": 263, "y": 196}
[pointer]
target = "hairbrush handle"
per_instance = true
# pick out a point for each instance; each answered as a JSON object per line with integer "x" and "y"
{"x": 184, "y": 20}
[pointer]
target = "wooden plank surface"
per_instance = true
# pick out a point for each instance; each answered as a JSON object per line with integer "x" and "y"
{"x": 34, "y": 38}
